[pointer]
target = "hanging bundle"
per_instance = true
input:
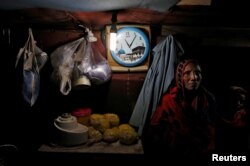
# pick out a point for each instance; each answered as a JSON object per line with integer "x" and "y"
{"x": 94, "y": 65}
{"x": 78, "y": 64}
{"x": 63, "y": 62}
{"x": 33, "y": 61}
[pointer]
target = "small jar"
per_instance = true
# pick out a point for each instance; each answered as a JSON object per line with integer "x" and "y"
{"x": 82, "y": 115}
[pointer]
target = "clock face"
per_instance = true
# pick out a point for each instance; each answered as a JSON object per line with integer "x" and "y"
{"x": 132, "y": 47}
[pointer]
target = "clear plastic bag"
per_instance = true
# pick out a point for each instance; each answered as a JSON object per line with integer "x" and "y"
{"x": 33, "y": 61}
{"x": 63, "y": 61}
{"x": 81, "y": 63}
{"x": 94, "y": 65}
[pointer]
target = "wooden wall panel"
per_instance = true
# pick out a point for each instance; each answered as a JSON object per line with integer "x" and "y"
{"x": 211, "y": 36}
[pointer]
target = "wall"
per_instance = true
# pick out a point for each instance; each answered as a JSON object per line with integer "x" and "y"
{"x": 223, "y": 65}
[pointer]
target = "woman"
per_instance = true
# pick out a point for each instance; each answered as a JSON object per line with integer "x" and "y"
{"x": 183, "y": 123}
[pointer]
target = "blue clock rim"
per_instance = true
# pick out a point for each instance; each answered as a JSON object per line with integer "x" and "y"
{"x": 145, "y": 55}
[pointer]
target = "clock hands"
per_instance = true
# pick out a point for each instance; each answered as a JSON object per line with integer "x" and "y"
{"x": 129, "y": 45}
{"x": 132, "y": 41}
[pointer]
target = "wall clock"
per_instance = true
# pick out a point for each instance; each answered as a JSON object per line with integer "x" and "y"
{"x": 132, "y": 48}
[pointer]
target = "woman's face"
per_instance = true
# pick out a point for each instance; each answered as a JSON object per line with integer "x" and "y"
{"x": 192, "y": 76}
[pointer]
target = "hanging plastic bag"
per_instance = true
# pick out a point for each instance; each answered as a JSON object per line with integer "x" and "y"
{"x": 33, "y": 61}
{"x": 80, "y": 80}
{"x": 94, "y": 65}
{"x": 63, "y": 62}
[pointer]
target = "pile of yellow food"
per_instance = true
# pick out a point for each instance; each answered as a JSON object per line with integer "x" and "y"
{"x": 107, "y": 128}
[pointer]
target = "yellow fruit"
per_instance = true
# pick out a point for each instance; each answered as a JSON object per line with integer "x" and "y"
{"x": 125, "y": 126}
{"x": 111, "y": 135}
{"x": 113, "y": 119}
{"x": 127, "y": 134}
{"x": 95, "y": 135}
{"x": 103, "y": 125}
{"x": 95, "y": 119}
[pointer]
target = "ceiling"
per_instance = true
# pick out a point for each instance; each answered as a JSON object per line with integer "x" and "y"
{"x": 95, "y": 14}
{"x": 87, "y": 5}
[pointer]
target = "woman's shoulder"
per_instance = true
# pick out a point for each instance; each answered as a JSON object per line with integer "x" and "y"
{"x": 172, "y": 93}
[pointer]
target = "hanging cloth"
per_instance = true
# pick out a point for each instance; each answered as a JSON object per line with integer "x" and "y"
{"x": 33, "y": 61}
{"x": 157, "y": 81}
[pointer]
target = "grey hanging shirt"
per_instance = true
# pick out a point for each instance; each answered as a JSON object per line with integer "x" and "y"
{"x": 159, "y": 77}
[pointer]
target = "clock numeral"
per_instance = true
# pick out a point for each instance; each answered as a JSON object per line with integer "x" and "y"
{"x": 127, "y": 34}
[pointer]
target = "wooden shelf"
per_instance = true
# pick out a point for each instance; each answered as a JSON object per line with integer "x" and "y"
{"x": 99, "y": 148}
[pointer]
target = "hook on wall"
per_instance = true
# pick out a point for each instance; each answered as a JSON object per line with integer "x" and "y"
{"x": 87, "y": 33}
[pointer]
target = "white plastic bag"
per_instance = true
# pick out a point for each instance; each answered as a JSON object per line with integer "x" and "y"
{"x": 63, "y": 60}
